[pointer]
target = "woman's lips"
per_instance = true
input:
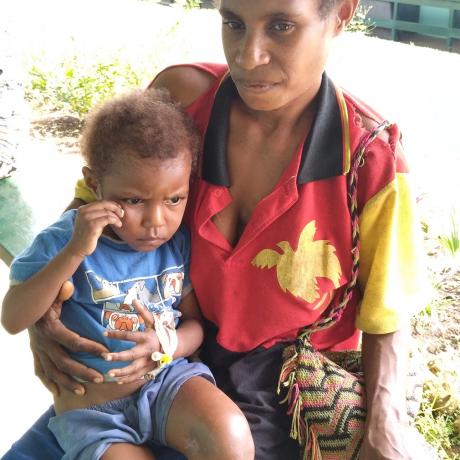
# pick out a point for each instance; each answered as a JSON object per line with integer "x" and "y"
{"x": 255, "y": 86}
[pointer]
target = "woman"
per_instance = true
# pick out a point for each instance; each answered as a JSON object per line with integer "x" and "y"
{"x": 278, "y": 140}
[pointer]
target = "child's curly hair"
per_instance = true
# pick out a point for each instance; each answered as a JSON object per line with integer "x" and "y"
{"x": 143, "y": 123}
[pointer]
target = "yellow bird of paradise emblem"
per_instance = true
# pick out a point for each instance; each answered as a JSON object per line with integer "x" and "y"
{"x": 298, "y": 270}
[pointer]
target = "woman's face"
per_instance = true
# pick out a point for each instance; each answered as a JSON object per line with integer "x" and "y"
{"x": 276, "y": 49}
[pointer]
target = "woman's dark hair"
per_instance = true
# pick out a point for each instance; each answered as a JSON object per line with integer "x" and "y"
{"x": 325, "y": 7}
{"x": 145, "y": 124}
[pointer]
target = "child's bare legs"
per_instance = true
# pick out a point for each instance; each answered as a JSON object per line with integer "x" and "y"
{"x": 204, "y": 424}
{"x": 123, "y": 450}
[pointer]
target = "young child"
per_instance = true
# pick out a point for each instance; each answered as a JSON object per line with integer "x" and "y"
{"x": 127, "y": 257}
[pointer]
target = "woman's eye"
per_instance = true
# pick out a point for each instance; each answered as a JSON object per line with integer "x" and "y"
{"x": 133, "y": 201}
{"x": 234, "y": 25}
{"x": 282, "y": 26}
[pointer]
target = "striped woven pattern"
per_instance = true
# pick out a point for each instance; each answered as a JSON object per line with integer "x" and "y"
{"x": 326, "y": 401}
{"x": 330, "y": 402}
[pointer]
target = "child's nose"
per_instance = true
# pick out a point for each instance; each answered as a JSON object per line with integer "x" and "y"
{"x": 153, "y": 217}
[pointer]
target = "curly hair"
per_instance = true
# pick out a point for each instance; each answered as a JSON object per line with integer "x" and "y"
{"x": 143, "y": 123}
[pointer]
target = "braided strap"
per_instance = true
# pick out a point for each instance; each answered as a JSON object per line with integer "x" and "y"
{"x": 358, "y": 161}
{"x": 326, "y": 396}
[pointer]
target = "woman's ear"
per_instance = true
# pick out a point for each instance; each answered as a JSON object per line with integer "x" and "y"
{"x": 344, "y": 14}
{"x": 90, "y": 180}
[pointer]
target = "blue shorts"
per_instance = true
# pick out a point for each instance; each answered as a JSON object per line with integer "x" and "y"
{"x": 85, "y": 434}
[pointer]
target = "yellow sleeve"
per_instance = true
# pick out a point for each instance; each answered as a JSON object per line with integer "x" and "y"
{"x": 82, "y": 192}
{"x": 392, "y": 269}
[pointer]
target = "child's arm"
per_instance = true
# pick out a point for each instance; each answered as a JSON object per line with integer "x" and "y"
{"x": 25, "y": 303}
{"x": 190, "y": 332}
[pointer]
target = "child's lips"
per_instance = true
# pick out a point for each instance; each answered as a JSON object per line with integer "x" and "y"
{"x": 151, "y": 239}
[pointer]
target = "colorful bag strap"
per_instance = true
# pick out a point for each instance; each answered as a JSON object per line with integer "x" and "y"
{"x": 358, "y": 161}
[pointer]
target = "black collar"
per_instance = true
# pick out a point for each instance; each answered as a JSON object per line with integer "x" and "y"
{"x": 322, "y": 155}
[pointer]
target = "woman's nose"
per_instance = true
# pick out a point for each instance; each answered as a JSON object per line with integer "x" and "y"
{"x": 252, "y": 51}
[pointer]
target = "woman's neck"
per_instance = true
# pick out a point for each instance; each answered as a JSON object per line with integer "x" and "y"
{"x": 288, "y": 118}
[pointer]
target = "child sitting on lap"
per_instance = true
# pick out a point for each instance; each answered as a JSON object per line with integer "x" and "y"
{"x": 125, "y": 256}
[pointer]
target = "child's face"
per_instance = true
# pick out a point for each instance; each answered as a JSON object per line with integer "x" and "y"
{"x": 153, "y": 194}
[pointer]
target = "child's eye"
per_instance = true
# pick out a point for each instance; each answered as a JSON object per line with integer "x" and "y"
{"x": 174, "y": 201}
{"x": 133, "y": 201}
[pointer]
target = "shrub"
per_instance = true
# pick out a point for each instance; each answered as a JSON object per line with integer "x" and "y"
{"x": 77, "y": 88}
{"x": 361, "y": 23}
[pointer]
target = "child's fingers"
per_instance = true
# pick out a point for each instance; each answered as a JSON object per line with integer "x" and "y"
{"x": 125, "y": 335}
{"x": 95, "y": 222}
{"x": 134, "y": 371}
{"x": 103, "y": 204}
{"x": 104, "y": 220}
{"x": 146, "y": 344}
{"x": 126, "y": 355}
{"x": 98, "y": 209}
{"x": 92, "y": 215}
{"x": 145, "y": 313}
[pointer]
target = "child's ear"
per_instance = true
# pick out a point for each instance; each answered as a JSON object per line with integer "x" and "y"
{"x": 90, "y": 180}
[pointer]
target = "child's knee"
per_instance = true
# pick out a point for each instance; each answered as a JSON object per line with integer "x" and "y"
{"x": 237, "y": 438}
{"x": 229, "y": 438}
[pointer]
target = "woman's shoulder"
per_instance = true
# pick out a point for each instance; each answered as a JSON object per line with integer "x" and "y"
{"x": 187, "y": 82}
{"x": 365, "y": 118}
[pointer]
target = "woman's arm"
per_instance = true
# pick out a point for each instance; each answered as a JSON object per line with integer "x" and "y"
{"x": 52, "y": 364}
{"x": 385, "y": 361}
{"x": 391, "y": 280}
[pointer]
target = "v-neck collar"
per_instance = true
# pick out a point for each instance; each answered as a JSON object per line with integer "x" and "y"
{"x": 325, "y": 152}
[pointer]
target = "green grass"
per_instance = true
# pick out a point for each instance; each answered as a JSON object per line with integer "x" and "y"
{"x": 451, "y": 240}
{"x": 439, "y": 416}
{"x": 75, "y": 88}
{"x": 441, "y": 430}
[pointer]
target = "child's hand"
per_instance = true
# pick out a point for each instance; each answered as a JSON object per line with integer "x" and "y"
{"x": 141, "y": 354}
{"x": 90, "y": 222}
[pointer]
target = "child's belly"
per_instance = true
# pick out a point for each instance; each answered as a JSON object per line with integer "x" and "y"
{"x": 96, "y": 393}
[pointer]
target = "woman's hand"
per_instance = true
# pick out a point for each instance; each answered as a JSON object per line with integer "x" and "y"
{"x": 52, "y": 364}
{"x": 141, "y": 354}
{"x": 89, "y": 224}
